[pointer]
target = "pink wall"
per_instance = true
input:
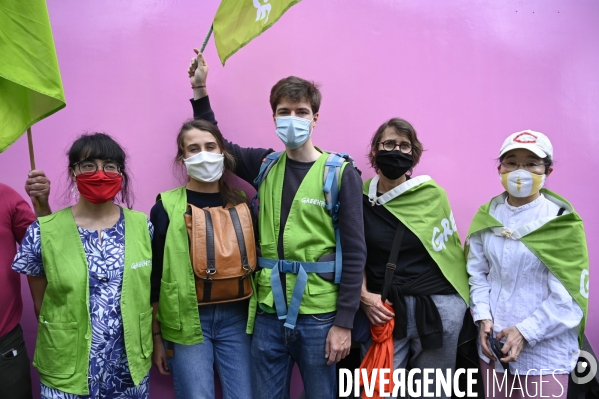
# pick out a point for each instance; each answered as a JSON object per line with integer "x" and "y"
{"x": 466, "y": 73}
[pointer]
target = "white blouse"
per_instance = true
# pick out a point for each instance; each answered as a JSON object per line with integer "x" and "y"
{"x": 512, "y": 287}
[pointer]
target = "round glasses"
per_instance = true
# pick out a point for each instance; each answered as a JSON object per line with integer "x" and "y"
{"x": 88, "y": 168}
{"x": 390, "y": 145}
{"x": 511, "y": 166}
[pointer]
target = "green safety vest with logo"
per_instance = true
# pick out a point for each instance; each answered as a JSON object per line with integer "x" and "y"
{"x": 558, "y": 241}
{"x": 422, "y": 206}
{"x": 308, "y": 236}
{"x": 178, "y": 304}
{"x": 62, "y": 351}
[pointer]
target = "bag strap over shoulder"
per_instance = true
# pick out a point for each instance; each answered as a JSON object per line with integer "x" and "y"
{"x": 392, "y": 262}
{"x": 267, "y": 164}
{"x": 332, "y": 171}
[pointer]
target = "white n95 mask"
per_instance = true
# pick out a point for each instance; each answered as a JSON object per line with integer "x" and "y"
{"x": 521, "y": 183}
{"x": 205, "y": 166}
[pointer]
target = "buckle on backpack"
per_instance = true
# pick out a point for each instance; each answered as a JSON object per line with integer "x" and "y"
{"x": 286, "y": 266}
{"x": 245, "y": 264}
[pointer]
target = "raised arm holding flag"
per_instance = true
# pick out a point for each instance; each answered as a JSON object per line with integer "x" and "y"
{"x": 30, "y": 83}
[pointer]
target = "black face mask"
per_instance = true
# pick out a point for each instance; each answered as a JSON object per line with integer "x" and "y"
{"x": 393, "y": 164}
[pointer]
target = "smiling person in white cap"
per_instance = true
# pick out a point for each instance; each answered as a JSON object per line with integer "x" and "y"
{"x": 528, "y": 266}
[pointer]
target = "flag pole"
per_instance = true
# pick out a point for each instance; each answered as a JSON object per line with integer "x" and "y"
{"x": 30, "y": 142}
{"x": 206, "y": 39}
{"x": 35, "y": 201}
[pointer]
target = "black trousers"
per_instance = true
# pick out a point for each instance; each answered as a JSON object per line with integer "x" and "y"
{"x": 15, "y": 377}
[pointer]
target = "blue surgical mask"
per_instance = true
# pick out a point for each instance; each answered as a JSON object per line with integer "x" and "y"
{"x": 293, "y": 131}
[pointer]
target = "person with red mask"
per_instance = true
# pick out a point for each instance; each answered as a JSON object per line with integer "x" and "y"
{"x": 88, "y": 268}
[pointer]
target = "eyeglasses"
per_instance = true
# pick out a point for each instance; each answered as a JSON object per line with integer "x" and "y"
{"x": 88, "y": 168}
{"x": 391, "y": 145}
{"x": 511, "y": 166}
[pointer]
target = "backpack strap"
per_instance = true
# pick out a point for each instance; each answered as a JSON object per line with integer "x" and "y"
{"x": 245, "y": 264}
{"x": 301, "y": 269}
{"x": 332, "y": 171}
{"x": 332, "y": 182}
{"x": 210, "y": 255}
{"x": 267, "y": 163}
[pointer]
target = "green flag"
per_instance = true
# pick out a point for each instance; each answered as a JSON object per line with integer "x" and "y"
{"x": 30, "y": 84}
{"x": 423, "y": 207}
{"x": 237, "y": 22}
{"x": 558, "y": 241}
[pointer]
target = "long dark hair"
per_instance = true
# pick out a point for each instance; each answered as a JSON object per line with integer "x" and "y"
{"x": 228, "y": 195}
{"x": 91, "y": 146}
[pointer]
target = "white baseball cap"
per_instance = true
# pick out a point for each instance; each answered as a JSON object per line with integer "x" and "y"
{"x": 530, "y": 140}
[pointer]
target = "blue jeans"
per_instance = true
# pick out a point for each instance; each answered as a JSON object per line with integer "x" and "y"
{"x": 276, "y": 348}
{"x": 226, "y": 347}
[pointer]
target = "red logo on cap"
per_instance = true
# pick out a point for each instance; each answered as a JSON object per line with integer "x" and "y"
{"x": 528, "y": 138}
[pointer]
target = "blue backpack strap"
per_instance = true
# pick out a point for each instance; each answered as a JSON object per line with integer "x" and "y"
{"x": 332, "y": 172}
{"x": 267, "y": 163}
{"x": 301, "y": 269}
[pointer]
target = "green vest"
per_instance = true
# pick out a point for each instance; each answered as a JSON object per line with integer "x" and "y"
{"x": 64, "y": 335}
{"x": 422, "y": 206}
{"x": 558, "y": 241}
{"x": 308, "y": 236}
{"x": 178, "y": 305}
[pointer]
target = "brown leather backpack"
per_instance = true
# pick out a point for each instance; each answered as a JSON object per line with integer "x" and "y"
{"x": 223, "y": 252}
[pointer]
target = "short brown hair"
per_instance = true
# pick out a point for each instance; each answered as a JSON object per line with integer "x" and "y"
{"x": 401, "y": 126}
{"x": 295, "y": 89}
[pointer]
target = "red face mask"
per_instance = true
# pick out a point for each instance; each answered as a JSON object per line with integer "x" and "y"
{"x": 99, "y": 188}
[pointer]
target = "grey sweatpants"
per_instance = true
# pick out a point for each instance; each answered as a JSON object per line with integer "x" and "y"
{"x": 408, "y": 352}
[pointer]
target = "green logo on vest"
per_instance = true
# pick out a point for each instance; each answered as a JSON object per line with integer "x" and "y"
{"x": 143, "y": 263}
{"x": 313, "y": 201}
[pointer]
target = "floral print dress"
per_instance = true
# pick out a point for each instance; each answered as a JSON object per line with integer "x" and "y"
{"x": 108, "y": 375}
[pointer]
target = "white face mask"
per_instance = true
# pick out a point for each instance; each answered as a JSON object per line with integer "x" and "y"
{"x": 521, "y": 183}
{"x": 205, "y": 166}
